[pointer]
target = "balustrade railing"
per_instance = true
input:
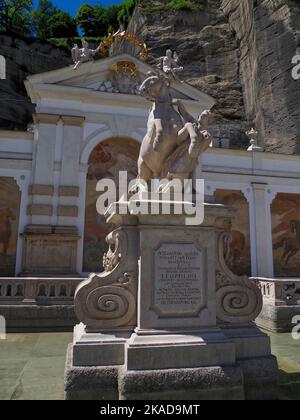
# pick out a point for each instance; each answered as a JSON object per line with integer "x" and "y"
{"x": 280, "y": 290}
{"x": 40, "y": 291}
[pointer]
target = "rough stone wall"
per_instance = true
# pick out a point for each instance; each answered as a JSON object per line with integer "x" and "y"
{"x": 268, "y": 34}
{"x": 209, "y": 52}
{"x": 240, "y": 52}
{"x": 23, "y": 58}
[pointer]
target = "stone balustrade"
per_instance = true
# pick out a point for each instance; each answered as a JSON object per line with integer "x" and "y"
{"x": 281, "y": 303}
{"x": 280, "y": 291}
{"x": 38, "y": 291}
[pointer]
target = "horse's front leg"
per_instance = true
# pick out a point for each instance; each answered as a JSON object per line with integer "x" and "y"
{"x": 189, "y": 131}
{"x": 158, "y": 140}
{"x": 183, "y": 135}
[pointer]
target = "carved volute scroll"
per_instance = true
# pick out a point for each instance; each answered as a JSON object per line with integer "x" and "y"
{"x": 108, "y": 300}
{"x": 239, "y": 300}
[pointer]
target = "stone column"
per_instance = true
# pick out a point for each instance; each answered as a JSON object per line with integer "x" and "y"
{"x": 51, "y": 238}
{"x": 263, "y": 230}
{"x": 68, "y": 192}
{"x": 42, "y": 190}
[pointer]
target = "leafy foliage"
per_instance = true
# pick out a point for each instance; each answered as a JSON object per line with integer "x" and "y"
{"x": 15, "y": 16}
{"x": 171, "y": 5}
{"x": 48, "y": 21}
{"x": 98, "y": 21}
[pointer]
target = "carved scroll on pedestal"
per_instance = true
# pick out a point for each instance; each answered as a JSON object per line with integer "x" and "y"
{"x": 108, "y": 300}
{"x": 239, "y": 300}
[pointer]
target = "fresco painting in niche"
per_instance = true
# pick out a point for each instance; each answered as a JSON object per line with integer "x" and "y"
{"x": 285, "y": 211}
{"x": 106, "y": 161}
{"x": 237, "y": 250}
{"x": 10, "y": 198}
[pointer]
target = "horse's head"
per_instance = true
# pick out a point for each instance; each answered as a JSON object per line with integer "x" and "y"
{"x": 205, "y": 119}
{"x": 156, "y": 88}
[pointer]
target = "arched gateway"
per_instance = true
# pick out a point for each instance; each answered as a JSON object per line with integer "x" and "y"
{"x": 106, "y": 161}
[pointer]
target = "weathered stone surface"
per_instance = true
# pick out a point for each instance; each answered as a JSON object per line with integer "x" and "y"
{"x": 267, "y": 32}
{"x": 239, "y": 53}
{"x": 23, "y": 58}
{"x": 209, "y": 383}
{"x": 52, "y": 253}
{"x": 277, "y": 318}
{"x": 209, "y": 53}
{"x": 90, "y": 383}
{"x": 42, "y": 318}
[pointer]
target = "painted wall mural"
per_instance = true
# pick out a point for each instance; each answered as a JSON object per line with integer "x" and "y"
{"x": 285, "y": 211}
{"x": 237, "y": 250}
{"x": 106, "y": 161}
{"x": 10, "y": 198}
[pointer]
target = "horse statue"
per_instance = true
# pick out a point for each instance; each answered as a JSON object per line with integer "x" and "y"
{"x": 174, "y": 139}
{"x": 6, "y": 217}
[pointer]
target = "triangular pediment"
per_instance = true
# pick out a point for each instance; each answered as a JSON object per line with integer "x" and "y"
{"x": 120, "y": 74}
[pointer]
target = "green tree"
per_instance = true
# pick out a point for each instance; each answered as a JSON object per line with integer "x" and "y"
{"x": 126, "y": 10}
{"x": 112, "y": 16}
{"x": 15, "y": 16}
{"x": 41, "y": 16}
{"x": 50, "y": 22}
{"x": 62, "y": 25}
{"x": 92, "y": 20}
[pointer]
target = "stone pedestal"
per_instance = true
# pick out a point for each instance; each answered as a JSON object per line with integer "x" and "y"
{"x": 50, "y": 251}
{"x": 281, "y": 304}
{"x": 168, "y": 320}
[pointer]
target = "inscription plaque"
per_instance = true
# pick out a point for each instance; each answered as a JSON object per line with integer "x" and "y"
{"x": 179, "y": 287}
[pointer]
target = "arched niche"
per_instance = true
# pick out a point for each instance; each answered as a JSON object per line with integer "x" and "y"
{"x": 237, "y": 250}
{"x": 10, "y": 199}
{"x": 286, "y": 234}
{"x": 107, "y": 159}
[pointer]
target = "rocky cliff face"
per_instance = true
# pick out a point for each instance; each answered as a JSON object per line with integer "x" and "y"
{"x": 239, "y": 52}
{"x": 268, "y": 34}
{"x": 209, "y": 52}
{"x": 23, "y": 58}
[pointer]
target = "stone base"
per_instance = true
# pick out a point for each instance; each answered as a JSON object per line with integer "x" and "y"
{"x": 207, "y": 383}
{"x": 96, "y": 349}
{"x": 28, "y": 318}
{"x": 179, "y": 351}
{"x": 90, "y": 383}
{"x": 277, "y": 319}
{"x": 233, "y": 363}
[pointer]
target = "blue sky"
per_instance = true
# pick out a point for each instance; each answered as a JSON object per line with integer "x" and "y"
{"x": 72, "y": 6}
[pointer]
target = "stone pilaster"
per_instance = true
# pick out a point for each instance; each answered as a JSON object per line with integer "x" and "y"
{"x": 263, "y": 230}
